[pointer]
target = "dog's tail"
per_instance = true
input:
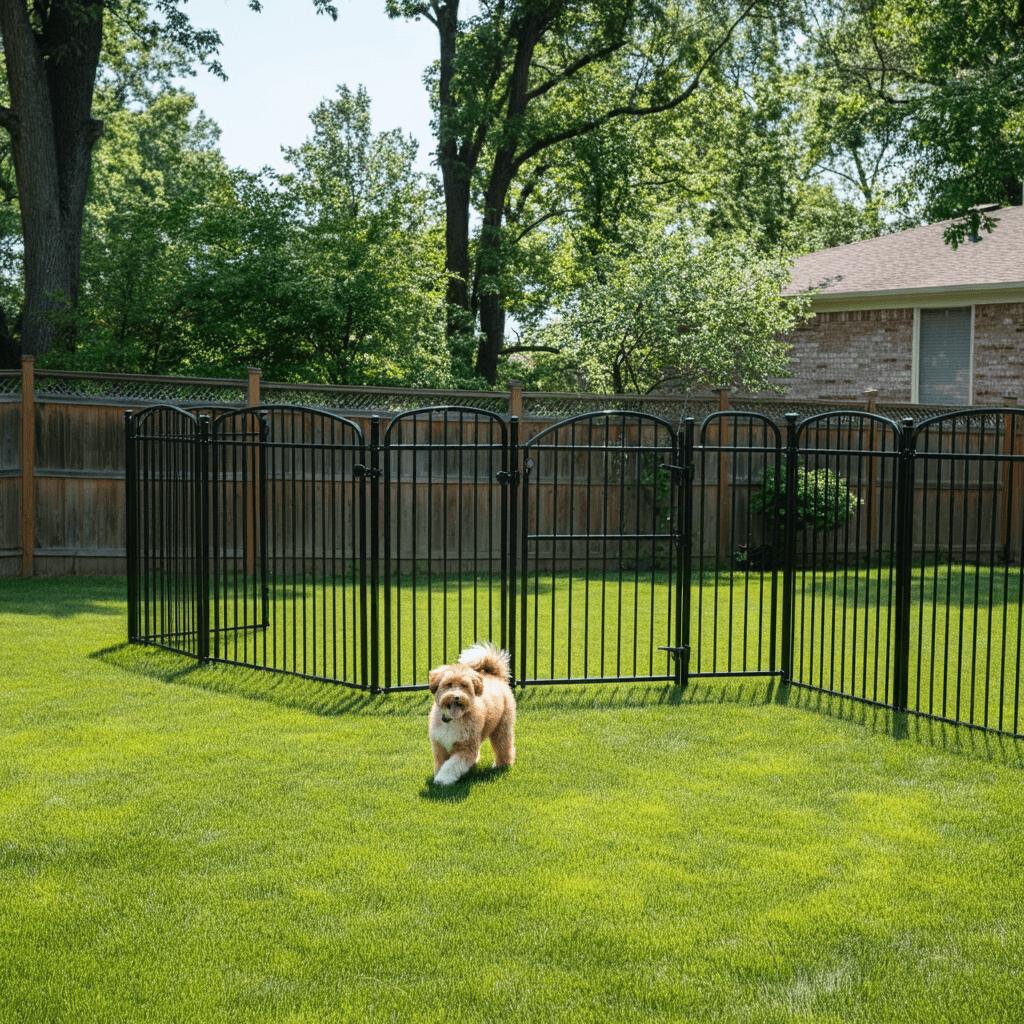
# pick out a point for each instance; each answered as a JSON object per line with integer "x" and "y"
{"x": 486, "y": 658}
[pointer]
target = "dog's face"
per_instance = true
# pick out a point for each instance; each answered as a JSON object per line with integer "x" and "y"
{"x": 455, "y": 687}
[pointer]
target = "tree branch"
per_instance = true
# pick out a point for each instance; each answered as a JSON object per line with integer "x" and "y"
{"x": 509, "y": 349}
{"x": 571, "y": 69}
{"x": 8, "y": 120}
{"x": 629, "y": 109}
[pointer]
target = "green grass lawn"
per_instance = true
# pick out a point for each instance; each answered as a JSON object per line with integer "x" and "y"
{"x": 208, "y": 843}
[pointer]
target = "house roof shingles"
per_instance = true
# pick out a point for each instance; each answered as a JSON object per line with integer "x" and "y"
{"x": 917, "y": 260}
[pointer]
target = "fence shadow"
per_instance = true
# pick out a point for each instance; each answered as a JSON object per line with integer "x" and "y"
{"x": 926, "y": 732}
{"x": 333, "y": 700}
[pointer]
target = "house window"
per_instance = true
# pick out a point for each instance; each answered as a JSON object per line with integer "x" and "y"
{"x": 943, "y": 363}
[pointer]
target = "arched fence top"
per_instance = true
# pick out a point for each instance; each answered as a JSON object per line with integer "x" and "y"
{"x": 301, "y": 412}
{"x": 621, "y": 415}
{"x": 139, "y": 419}
{"x": 736, "y": 415}
{"x": 996, "y": 417}
{"x": 849, "y": 419}
{"x": 445, "y": 414}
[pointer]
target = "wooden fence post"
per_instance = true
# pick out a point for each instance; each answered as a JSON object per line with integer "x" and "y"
{"x": 515, "y": 399}
{"x": 28, "y": 464}
{"x": 255, "y": 376}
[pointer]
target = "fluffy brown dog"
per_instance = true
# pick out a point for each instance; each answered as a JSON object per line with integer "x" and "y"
{"x": 473, "y": 702}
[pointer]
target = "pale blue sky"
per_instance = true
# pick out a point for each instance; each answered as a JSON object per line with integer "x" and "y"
{"x": 282, "y": 62}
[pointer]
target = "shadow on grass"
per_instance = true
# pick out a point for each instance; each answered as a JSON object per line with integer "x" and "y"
{"x": 457, "y": 792}
{"x": 332, "y": 699}
{"x": 928, "y": 732}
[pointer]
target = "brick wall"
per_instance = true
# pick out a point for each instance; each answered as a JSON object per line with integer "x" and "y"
{"x": 839, "y": 355}
{"x": 998, "y": 352}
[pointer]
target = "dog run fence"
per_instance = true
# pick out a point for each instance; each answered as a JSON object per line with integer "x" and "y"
{"x": 845, "y": 552}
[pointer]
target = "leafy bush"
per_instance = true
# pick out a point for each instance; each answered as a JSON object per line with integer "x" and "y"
{"x": 823, "y": 500}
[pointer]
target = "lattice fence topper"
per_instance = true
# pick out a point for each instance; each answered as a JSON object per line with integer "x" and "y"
{"x": 131, "y": 388}
{"x": 10, "y": 383}
{"x": 380, "y": 400}
{"x": 671, "y": 408}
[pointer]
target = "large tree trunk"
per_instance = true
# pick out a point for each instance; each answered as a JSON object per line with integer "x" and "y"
{"x": 489, "y": 256}
{"x": 456, "y": 172}
{"x": 50, "y": 76}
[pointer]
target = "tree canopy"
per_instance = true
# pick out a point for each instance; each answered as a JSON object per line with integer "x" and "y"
{"x": 621, "y": 186}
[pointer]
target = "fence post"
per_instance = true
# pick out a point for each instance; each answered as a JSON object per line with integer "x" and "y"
{"x": 250, "y": 466}
{"x": 202, "y": 528}
{"x": 510, "y": 487}
{"x": 374, "y": 527}
{"x": 789, "y": 549}
{"x": 684, "y": 555}
{"x": 515, "y": 399}
{"x": 904, "y": 551}
{"x": 28, "y": 464}
{"x": 131, "y": 543}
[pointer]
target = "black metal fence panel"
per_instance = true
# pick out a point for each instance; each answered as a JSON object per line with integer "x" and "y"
{"x": 167, "y": 522}
{"x": 842, "y": 573}
{"x": 286, "y": 538}
{"x": 600, "y": 585}
{"x": 965, "y": 584}
{"x": 734, "y": 569}
{"x": 848, "y": 553}
{"x": 440, "y": 563}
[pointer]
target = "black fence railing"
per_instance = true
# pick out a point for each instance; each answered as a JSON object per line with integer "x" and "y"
{"x": 845, "y": 552}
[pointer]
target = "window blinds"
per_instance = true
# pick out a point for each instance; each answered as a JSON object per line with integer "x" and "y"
{"x": 944, "y": 364}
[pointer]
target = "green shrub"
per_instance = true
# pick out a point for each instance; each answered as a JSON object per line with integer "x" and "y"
{"x": 823, "y": 500}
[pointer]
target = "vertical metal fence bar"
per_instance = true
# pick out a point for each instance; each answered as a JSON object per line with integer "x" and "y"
{"x": 510, "y": 541}
{"x": 789, "y": 557}
{"x": 904, "y": 552}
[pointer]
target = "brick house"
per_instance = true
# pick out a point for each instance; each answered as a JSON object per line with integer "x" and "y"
{"x": 910, "y": 316}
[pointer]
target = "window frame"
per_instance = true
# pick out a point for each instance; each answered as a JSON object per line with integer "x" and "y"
{"x": 915, "y": 362}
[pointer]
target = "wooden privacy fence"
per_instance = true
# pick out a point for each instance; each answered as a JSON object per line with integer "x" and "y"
{"x": 62, "y": 507}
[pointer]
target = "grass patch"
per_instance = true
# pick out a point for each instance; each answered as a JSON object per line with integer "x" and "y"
{"x": 207, "y": 843}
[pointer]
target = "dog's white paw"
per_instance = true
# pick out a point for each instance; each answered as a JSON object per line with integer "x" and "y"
{"x": 451, "y": 771}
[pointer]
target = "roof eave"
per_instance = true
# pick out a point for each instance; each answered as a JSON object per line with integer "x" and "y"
{"x": 899, "y": 298}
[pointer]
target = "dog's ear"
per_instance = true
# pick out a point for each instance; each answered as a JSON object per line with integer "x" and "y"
{"x": 435, "y": 677}
{"x": 478, "y": 684}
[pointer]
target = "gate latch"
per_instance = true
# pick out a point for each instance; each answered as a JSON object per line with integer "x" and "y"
{"x": 505, "y": 477}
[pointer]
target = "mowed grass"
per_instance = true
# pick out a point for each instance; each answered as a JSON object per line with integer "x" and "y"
{"x": 208, "y": 843}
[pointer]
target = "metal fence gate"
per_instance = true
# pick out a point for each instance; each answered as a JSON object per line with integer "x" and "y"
{"x": 606, "y": 547}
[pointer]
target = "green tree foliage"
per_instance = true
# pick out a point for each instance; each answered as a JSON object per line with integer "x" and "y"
{"x": 674, "y": 309}
{"x": 332, "y": 273}
{"x": 368, "y": 244}
{"x": 522, "y": 78}
{"x": 52, "y": 51}
{"x": 927, "y": 94}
